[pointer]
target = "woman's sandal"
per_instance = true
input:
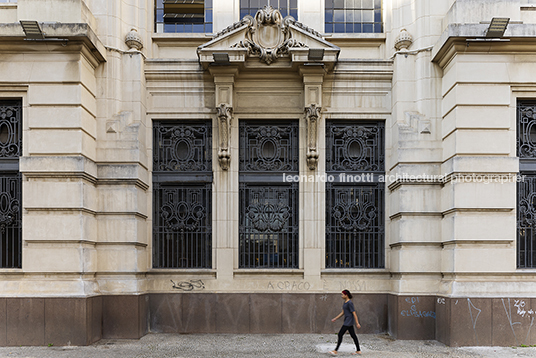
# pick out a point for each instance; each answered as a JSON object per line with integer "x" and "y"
{"x": 333, "y": 353}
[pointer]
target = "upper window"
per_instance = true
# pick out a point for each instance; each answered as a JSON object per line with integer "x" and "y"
{"x": 354, "y": 16}
{"x": 285, "y": 7}
{"x": 183, "y": 16}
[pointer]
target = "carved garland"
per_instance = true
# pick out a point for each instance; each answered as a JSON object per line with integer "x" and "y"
{"x": 312, "y": 113}
{"x": 224, "y": 118}
{"x": 274, "y": 41}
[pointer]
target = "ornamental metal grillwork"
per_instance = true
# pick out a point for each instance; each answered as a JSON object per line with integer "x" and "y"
{"x": 526, "y": 129}
{"x": 182, "y": 228}
{"x": 526, "y": 222}
{"x": 355, "y": 147}
{"x": 10, "y": 220}
{"x": 268, "y": 226}
{"x": 354, "y": 226}
{"x": 269, "y": 147}
{"x": 182, "y": 195}
{"x": 355, "y": 231}
{"x": 10, "y": 129}
{"x": 182, "y": 147}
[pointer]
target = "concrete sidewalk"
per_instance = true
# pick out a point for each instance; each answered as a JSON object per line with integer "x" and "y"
{"x": 257, "y": 345}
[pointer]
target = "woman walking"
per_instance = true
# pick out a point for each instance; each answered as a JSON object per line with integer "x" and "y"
{"x": 350, "y": 318}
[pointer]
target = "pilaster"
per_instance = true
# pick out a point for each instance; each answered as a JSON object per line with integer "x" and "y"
{"x": 312, "y": 192}
{"x": 226, "y": 172}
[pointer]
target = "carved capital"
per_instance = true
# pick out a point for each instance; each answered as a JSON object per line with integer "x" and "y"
{"x": 312, "y": 114}
{"x": 224, "y": 119}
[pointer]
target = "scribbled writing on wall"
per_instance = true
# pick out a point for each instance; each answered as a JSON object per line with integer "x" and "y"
{"x": 338, "y": 285}
{"x": 414, "y": 310}
{"x": 474, "y": 312}
{"x": 188, "y": 285}
{"x": 289, "y": 285}
{"x": 521, "y": 310}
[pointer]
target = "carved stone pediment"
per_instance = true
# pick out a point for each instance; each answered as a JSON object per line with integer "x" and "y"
{"x": 269, "y": 37}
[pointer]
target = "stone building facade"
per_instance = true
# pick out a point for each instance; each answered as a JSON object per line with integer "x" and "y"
{"x": 219, "y": 166}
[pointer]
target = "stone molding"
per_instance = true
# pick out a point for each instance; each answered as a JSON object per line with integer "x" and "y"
{"x": 312, "y": 114}
{"x": 224, "y": 119}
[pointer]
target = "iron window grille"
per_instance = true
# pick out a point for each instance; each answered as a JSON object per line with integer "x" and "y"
{"x": 269, "y": 147}
{"x": 268, "y": 207}
{"x": 526, "y": 188}
{"x": 355, "y": 147}
{"x": 285, "y": 7}
{"x": 268, "y": 226}
{"x": 182, "y": 195}
{"x": 10, "y": 184}
{"x": 183, "y": 16}
{"x": 355, "y": 229}
{"x": 353, "y": 16}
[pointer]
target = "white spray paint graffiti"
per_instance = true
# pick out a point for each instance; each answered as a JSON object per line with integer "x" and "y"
{"x": 475, "y": 318}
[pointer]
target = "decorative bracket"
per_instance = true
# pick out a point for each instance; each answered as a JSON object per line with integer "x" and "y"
{"x": 224, "y": 118}
{"x": 312, "y": 114}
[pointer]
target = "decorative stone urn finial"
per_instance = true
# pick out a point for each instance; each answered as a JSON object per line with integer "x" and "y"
{"x": 133, "y": 40}
{"x": 403, "y": 41}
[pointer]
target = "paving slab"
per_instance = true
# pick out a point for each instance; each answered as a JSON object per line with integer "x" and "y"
{"x": 163, "y": 345}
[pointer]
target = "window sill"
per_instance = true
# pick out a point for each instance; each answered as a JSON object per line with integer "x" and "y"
{"x": 354, "y": 271}
{"x": 174, "y": 36}
{"x": 351, "y": 39}
{"x": 175, "y": 271}
{"x": 267, "y": 271}
{"x": 11, "y": 271}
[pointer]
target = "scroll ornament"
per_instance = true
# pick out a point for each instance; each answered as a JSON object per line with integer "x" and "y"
{"x": 224, "y": 118}
{"x": 312, "y": 114}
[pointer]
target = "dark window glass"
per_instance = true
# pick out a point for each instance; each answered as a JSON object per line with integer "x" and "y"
{"x": 353, "y": 16}
{"x": 10, "y": 184}
{"x": 250, "y": 7}
{"x": 183, "y": 16}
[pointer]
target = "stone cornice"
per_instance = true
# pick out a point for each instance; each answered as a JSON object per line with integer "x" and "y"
{"x": 470, "y": 38}
{"x": 61, "y": 33}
